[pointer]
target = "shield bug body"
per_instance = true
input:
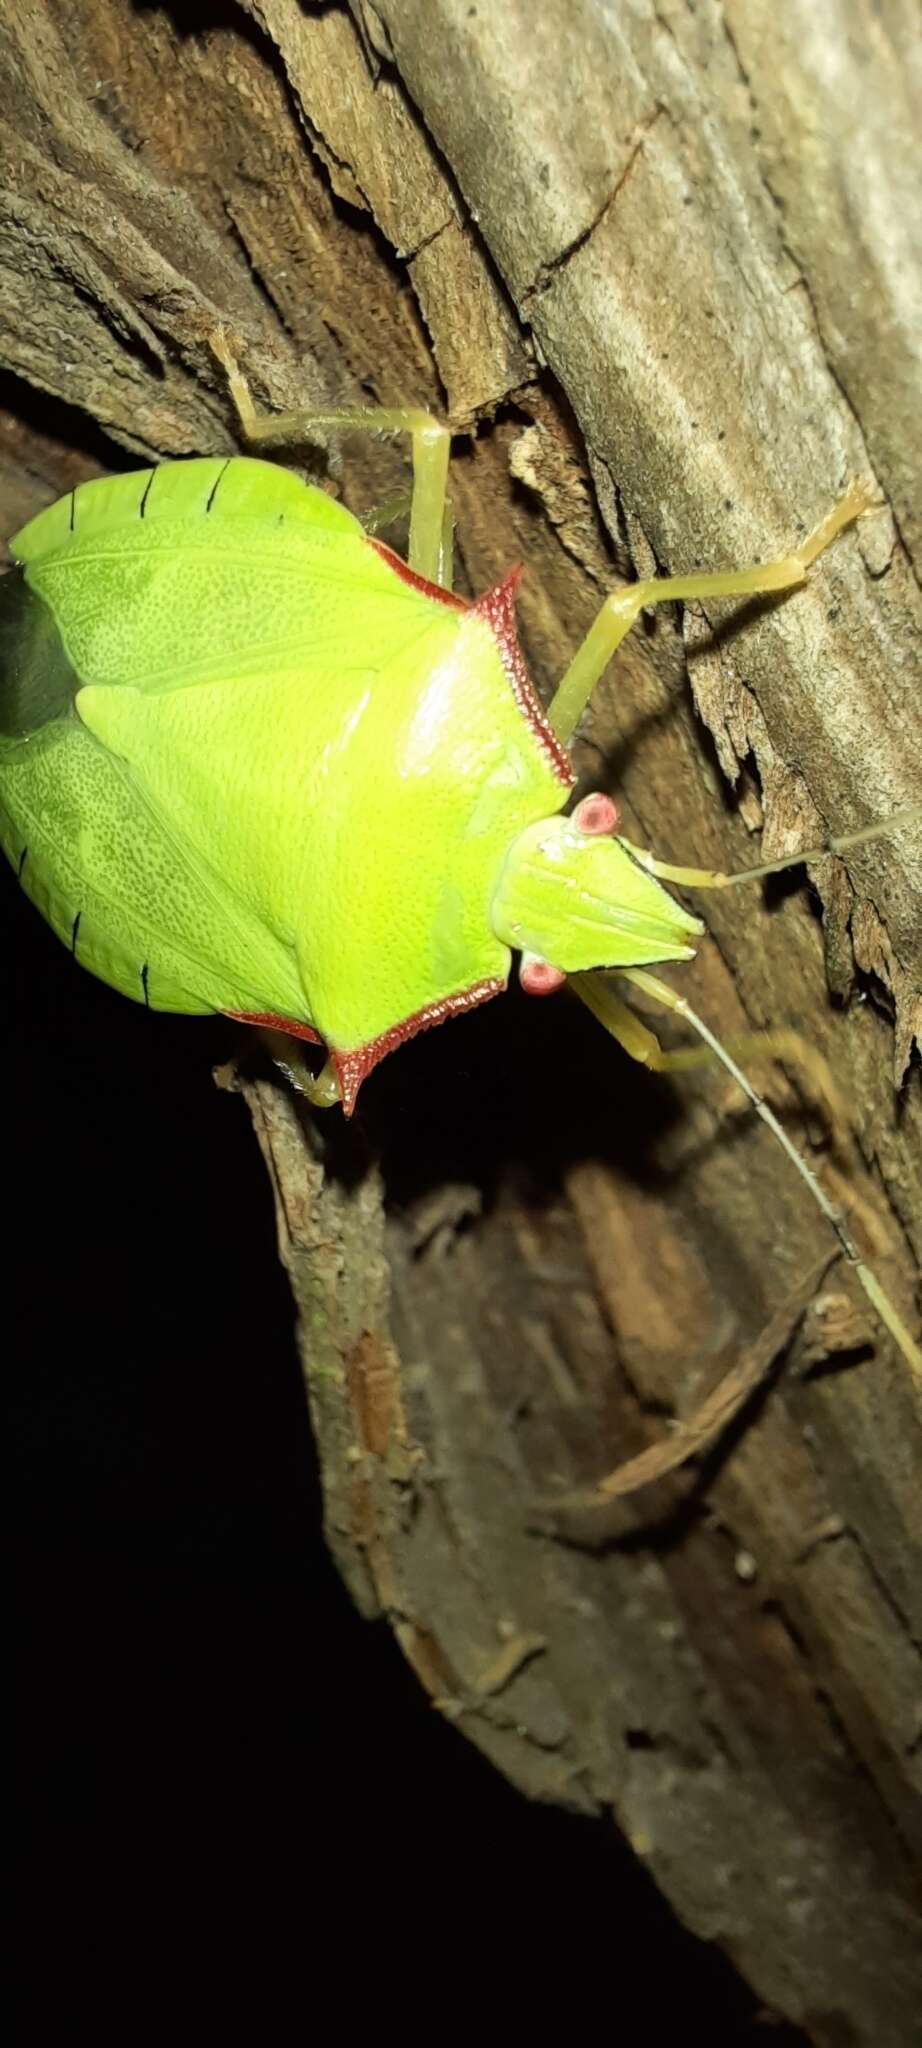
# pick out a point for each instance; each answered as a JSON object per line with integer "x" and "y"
{"x": 251, "y": 761}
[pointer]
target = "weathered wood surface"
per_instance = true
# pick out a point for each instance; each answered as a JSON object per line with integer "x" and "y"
{"x": 675, "y": 251}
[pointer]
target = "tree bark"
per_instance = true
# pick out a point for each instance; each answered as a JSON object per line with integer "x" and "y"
{"x": 661, "y": 267}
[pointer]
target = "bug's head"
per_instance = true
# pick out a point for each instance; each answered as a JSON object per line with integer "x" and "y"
{"x": 571, "y": 897}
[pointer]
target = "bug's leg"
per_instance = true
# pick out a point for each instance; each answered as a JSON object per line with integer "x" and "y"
{"x": 620, "y": 610}
{"x": 642, "y": 1045}
{"x": 321, "y": 1090}
{"x": 806, "y": 1061}
{"x": 447, "y": 548}
{"x": 391, "y": 509}
{"x": 635, "y": 1038}
{"x": 784, "y": 1045}
{"x": 430, "y": 443}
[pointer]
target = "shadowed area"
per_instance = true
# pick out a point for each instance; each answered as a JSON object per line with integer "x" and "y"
{"x": 200, "y": 1710}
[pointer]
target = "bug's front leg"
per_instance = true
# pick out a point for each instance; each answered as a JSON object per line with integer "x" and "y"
{"x": 430, "y": 549}
{"x": 623, "y": 607}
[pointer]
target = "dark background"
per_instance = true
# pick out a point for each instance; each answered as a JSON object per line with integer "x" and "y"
{"x": 212, "y": 1748}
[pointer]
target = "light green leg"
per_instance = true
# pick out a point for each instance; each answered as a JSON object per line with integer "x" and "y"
{"x": 805, "y": 1060}
{"x": 642, "y": 1045}
{"x": 430, "y": 519}
{"x": 391, "y": 509}
{"x": 620, "y": 610}
{"x": 321, "y": 1090}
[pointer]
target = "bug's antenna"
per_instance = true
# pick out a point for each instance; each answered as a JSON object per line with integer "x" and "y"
{"x": 841, "y": 844}
{"x": 715, "y": 878}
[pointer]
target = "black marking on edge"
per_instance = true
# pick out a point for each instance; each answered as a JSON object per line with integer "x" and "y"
{"x": 144, "y": 974}
{"x": 21, "y": 863}
{"x": 75, "y": 927}
{"x": 214, "y": 488}
{"x": 142, "y": 508}
{"x": 73, "y": 509}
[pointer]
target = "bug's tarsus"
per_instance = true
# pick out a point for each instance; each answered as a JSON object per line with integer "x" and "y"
{"x": 857, "y": 499}
{"x": 21, "y": 863}
{"x": 321, "y": 1090}
{"x": 142, "y": 508}
{"x": 145, "y": 976}
{"x": 75, "y": 927}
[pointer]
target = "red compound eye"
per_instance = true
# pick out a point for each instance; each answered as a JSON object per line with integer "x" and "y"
{"x": 597, "y": 814}
{"x": 538, "y": 977}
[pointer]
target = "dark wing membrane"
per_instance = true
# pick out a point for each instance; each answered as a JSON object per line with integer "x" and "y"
{"x": 37, "y": 682}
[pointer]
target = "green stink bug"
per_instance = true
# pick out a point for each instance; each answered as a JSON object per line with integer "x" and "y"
{"x": 343, "y": 817}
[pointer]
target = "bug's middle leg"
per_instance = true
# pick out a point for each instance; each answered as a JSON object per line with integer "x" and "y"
{"x": 644, "y": 1046}
{"x": 430, "y": 550}
{"x": 640, "y": 1043}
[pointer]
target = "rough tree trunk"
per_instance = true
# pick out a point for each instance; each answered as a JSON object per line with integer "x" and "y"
{"x": 662, "y": 254}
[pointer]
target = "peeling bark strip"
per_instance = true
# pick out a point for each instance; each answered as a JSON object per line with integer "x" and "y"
{"x": 704, "y": 222}
{"x": 696, "y": 1433}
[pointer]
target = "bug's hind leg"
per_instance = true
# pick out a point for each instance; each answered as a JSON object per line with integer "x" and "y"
{"x": 430, "y": 549}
